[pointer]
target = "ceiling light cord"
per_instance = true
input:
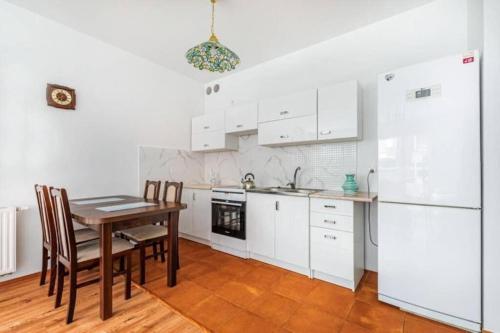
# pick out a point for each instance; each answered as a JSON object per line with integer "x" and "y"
{"x": 212, "y": 30}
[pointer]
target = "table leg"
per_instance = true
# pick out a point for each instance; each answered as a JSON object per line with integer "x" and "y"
{"x": 106, "y": 272}
{"x": 173, "y": 239}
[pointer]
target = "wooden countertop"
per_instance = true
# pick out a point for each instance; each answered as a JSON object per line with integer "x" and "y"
{"x": 339, "y": 195}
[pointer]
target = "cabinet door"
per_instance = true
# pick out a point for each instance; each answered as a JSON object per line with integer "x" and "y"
{"x": 332, "y": 252}
{"x": 186, "y": 215}
{"x": 261, "y": 214}
{"x": 299, "y": 104}
{"x": 338, "y": 111}
{"x": 242, "y": 119}
{"x": 289, "y": 131}
{"x": 213, "y": 141}
{"x": 292, "y": 230}
{"x": 202, "y": 214}
{"x": 208, "y": 122}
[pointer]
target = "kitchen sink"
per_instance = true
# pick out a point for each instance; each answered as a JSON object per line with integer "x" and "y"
{"x": 286, "y": 190}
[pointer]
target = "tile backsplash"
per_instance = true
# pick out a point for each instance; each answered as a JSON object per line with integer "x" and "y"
{"x": 322, "y": 165}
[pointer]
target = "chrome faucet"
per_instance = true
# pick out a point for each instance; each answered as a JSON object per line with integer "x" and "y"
{"x": 293, "y": 184}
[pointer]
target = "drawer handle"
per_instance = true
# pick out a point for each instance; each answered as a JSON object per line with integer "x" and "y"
{"x": 330, "y": 221}
{"x": 206, "y": 127}
{"x": 283, "y": 112}
{"x": 330, "y": 206}
{"x": 325, "y": 132}
{"x": 239, "y": 126}
{"x": 206, "y": 145}
{"x": 330, "y": 237}
{"x": 283, "y": 136}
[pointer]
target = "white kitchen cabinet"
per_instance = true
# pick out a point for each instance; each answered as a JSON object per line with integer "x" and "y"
{"x": 339, "y": 116}
{"x": 278, "y": 231}
{"x": 289, "y": 131}
{"x": 213, "y": 141}
{"x": 208, "y": 122}
{"x": 261, "y": 217}
{"x": 299, "y": 104}
{"x": 292, "y": 226}
{"x": 242, "y": 119}
{"x": 337, "y": 241}
{"x": 195, "y": 222}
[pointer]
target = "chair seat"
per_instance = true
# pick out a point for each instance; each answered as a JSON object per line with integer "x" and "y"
{"x": 91, "y": 251}
{"x": 145, "y": 232}
{"x": 85, "y": 235}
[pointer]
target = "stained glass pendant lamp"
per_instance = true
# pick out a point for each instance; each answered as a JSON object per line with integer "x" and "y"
{"x": 212, "y": 55}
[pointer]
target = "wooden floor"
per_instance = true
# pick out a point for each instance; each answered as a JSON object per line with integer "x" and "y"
{"x": 218, "y": 292}
{"x": 229, "y": 294}
{"x": 25, "y": 307}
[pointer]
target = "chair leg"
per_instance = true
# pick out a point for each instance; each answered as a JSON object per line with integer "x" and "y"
{"x": 142, "y": 264}
{"x": 128, "y": 276}
{"x": 45, "y": 258}
{"x": 162, "y": 250}
{"x": 60, "y": 284}
{"x": 72, "y": 295}
{"x": 122, "y": 264}
{"x": 53, "y": 273}
{"x": 155, "y": 251}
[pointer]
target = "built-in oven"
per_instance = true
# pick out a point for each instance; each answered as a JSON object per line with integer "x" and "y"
{"x": 228, "y": 212}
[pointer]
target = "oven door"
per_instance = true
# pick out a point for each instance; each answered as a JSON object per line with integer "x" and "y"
{"x": 228, "y": 218}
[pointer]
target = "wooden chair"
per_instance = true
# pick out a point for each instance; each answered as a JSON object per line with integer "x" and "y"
{"x": 75, "y": 257}
{"x": 154, "y": 234}
{"x": 49, "y": 240}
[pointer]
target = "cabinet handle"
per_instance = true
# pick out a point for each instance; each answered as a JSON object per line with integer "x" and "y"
{"x": 206, "y": 145}
{"x": 330, "y": 206}
{"x": 239, "y": 126}
{"x": 283, "y": 112}
{"x": 330, "y": 237}
{"x": 330, "y": 221}
{"x": 194, "y": 196}
{"x": 325, "y": 132}
{"x": 206, "y": 127}
{"x": 283, "y": 136}
{"x": 277, "y": 205}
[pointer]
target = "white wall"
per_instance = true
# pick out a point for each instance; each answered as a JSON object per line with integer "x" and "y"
{"x": 491, "y": 166}
{"x": 122, "y": 101}
{"x": 431, "y": 31}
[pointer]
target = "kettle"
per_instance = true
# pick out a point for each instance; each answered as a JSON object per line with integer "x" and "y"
{"x": 248, "y": 182}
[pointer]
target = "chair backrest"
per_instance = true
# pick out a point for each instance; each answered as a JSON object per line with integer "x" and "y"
{"x": 46, "y": 215}
{"x": 152, "y": 189}
{"x": 66, "y": 245}
{"x": 172, "y": 191}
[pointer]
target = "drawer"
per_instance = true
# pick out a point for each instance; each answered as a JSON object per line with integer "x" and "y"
{"x": 332, "y": 221}
{"x": 332, "y": 252}
{"x": 330, "y": 206}
{"x": 208, "y": 122}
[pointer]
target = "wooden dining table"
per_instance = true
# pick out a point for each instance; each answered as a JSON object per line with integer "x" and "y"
{"x": 99, "y": 214}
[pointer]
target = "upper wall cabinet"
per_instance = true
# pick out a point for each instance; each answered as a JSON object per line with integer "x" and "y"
{"x": 209, "y": 134}
{"x": 242, "y": 119}
{"x": 289, "y": 131}
{"x": 339, "y": 116}
{"x": 290, "y": 106}
{"x": 208, "y": 122}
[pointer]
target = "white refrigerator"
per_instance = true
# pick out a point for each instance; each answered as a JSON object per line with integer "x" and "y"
{"x": 429, "y": 166}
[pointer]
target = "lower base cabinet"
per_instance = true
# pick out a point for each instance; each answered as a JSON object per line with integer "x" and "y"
{"x": 278, "y": 229}
{"x": 337, "y": 241}
{"x": 196, "y": 220}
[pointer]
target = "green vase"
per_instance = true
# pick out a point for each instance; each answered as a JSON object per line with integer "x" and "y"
{"x": 350, "y": 186}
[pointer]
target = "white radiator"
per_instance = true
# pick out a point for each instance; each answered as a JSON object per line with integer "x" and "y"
{"x": 7, "y": 240}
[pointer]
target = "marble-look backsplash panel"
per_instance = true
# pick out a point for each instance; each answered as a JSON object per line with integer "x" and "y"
{"x": 322, "y": 165}
{"x": 171, "y": 164}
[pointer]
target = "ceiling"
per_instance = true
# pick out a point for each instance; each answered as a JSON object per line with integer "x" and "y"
{"x": 257, "y": 30}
